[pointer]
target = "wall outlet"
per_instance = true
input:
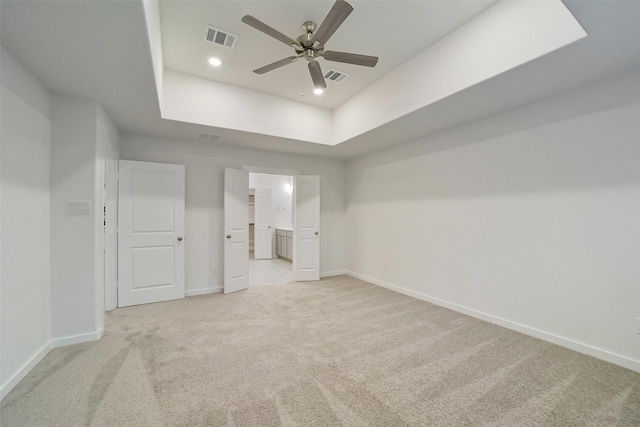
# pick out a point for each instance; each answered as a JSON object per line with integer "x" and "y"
{"x": 215, "y": 271}
{"x": 638, "y": 325}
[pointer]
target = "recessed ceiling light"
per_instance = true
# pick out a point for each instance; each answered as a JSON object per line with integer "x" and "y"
{"x": 215, "y": 62}
{"x": 318, "y": 91}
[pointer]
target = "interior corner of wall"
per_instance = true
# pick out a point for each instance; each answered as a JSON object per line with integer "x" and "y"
{"x": 152, "y": 19}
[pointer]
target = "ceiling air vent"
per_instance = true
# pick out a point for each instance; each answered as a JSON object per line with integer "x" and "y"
{"x": 207, "y": 136}
{"x": 335, "y": 76}
{"x": 220, "y": 37}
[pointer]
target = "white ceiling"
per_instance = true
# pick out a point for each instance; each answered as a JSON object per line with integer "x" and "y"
{"x": 100, "y": 50}
{"x": 395, "y": 31}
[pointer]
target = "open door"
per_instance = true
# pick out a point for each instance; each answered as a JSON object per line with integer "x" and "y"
{"x": 151, "y": 232}
{"x": 236, "y": 230}
{"x": 306, "y": 228}
{"x": 263, "y": 238}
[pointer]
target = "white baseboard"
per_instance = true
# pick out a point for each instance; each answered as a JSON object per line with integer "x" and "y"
{"x": 598, "y": 353}
{"x": 332, "y": 273}
{"x": 31, "y": 363}
{"x": 202, "y": 291}
{"x": 24, "y": 370}
{"x": 77, "y": 339}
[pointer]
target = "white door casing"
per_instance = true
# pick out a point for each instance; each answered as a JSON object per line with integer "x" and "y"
{"x": 236, "y": 230}
{"x": 306, "y": 228}
{"x": 151, "y": 229}
{"x": 263, "y": 233}
{"x": 111, "y": 233}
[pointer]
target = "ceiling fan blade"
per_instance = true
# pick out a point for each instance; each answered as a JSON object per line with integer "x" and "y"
{"x": 336, "y": 16}
{"x": 316, "y": 75}
{"x": 275, "y": 65}
{"x": 261, "y": 26}
{"x": 351, "y": 58}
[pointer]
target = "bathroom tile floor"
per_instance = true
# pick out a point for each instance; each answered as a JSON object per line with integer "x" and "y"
{"x": 269, "y": 271}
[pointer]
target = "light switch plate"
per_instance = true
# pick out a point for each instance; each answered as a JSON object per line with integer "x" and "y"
{"x": 79, "y": 206}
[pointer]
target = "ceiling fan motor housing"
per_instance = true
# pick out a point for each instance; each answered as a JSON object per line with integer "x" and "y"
{"x": 308, "y": 51}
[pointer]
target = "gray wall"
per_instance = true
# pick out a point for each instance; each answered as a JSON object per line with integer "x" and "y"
{"x": 25, "y": 320}
{"x": 529, "y": 218}
{"x": 51, "y": 261}
{"x": 205, "y": 165}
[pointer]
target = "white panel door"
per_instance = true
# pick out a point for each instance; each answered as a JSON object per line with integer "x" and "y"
{"x": 306, "y": 228}
{"x": 263, "y": 237}
{"x": 236, "y": 230}
{"x": 151, "y": 232}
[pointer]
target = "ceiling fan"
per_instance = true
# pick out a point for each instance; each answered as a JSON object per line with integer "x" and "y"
{"x": 310, "y": 45}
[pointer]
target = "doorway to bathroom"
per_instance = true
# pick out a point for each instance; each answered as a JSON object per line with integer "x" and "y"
{"x": 304, "y": 237}
{"x": 271, "y": 213}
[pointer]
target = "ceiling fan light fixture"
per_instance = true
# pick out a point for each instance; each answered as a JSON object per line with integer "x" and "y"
{"x": 215, "y": 62}
{"x": 318, "y": 91}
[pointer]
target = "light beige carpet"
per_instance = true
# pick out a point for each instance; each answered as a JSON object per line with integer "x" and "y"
{"x": 336, "y": 352}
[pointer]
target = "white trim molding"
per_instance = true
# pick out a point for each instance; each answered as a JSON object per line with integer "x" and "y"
{"x": 202, "y": 291}
{"x": 598, "y": 353}
{"x": 272, "y": 171}
{"x": 332, "y": 273}
{"x": 31, "y": 363}
{"x": 24, "y": 370}
{"x": 77, "y": 339}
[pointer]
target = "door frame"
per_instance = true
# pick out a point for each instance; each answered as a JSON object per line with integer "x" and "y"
{"x": 111, "y": 229}
{"x": 271, "y": 231}
{"x": 286, "y": 172}
{"x": 274, "y": 171}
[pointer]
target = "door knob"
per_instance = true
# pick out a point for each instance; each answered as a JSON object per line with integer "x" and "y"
{"x": 228, "y": 236}
{"x": 180, "y": 238}
{"x": 316, "y": 233}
